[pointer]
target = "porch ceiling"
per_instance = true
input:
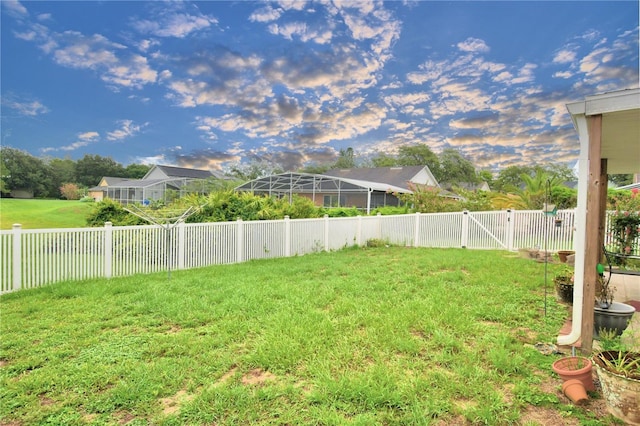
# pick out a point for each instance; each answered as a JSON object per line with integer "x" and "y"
{"x": 621, "y": 141}
{"x": 620, "y": 127}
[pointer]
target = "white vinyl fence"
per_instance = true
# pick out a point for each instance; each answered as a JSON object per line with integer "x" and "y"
{"x": 32, "y": 258}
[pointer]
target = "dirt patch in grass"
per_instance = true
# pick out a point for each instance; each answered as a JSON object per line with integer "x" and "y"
{"x": 226, "y": 376}
{"x": 257, "y": 376}
{"x": 174, "y": 329}
{"x": 45, "y": 401}
{"x": 172, "y": 404}
{"x": 545, "y": 416}
{"x": 124, "y": 417}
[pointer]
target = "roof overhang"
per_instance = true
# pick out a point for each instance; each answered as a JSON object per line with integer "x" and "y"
{"x": 620, "y": 127}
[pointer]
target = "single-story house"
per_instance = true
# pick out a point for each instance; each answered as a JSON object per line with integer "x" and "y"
{"x": 160, "y": 183}
{"x": 363, "y": 188}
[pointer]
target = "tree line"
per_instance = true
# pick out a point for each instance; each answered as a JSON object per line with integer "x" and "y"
{"x": 52, "y": 177}
{"x": 521, "y": 187}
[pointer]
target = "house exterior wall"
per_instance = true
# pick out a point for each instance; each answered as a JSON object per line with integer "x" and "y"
{"x": 359, "y": 200}
{"x": 97, "y": 195}
{"x": 155, "y": 173}
{"x": 424, "y": 178}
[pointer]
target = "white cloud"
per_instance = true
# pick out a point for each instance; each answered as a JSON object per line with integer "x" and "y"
{"x": 563, "y": 74}
{"x": 474, "y": 45}
{"x": 564, "y": 56}
{"x": 265, "y": 14}
{"x": 112, "y": 60}
{"x": 89, "y": 136}
{"x": 15, "y": 8}
{"x": 127, "y": 129}
{"x": 28, "y": 108}
{"x": 178, "y": 25}
{"x": 84, "y": 139}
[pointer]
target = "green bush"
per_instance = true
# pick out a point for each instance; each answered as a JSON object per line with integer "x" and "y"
{"x": 108, "y": 210}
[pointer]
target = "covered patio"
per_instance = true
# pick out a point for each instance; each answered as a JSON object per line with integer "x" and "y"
{"x": 608, "y": 127}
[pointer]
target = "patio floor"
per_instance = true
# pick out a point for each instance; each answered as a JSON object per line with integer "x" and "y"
{"x": 627, "y": 290}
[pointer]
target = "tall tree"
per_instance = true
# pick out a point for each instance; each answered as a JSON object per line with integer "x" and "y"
{"x": 384, "y": 160}
{"x": 346, "y": 159}
{"x": 136, "y": 171}
{"x": 420, "y": 155}
{"x": 254, "y": 169}
{"x": 22, "y": 171}
{"x": 510, "y": 178}
{"x": 455, "y": 169}
{"x": 62, "y": 171}
{"x": 91, "y": 168}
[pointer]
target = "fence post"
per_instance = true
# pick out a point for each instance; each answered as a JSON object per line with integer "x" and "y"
{"x": 416, "y": 235}
{"x": 108, "y": 249}
{"x": 359, "y": 231}
{"x": 287, "y": 236}
{"x": 326, "y": 232}
{"x": 181, "y": 232}
{"x": 379, "y": 226}
{"x": 240, "y": 242}
{"x": 510, "y": 229}
{"x": 465, "y": 229}
{"x": 17, "y": 256}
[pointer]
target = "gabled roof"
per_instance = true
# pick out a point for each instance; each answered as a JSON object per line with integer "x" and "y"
{"x": 109, "y": 180}
{"x": 181, "y": 172}
{"x": 399, "y": 176}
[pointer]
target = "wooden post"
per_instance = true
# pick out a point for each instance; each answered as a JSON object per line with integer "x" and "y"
{"x": 592, "y": 251}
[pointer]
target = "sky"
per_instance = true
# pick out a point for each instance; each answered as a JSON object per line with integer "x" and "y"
{"x": 214, "y": 84}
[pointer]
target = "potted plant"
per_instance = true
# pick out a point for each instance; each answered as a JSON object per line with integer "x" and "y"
{"x": 608, "y": 315}
{"x": 619, "y": 373}
{"x": 563, "y": 282}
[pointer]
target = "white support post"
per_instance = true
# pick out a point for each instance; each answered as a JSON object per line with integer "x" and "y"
{"x": 326, "y": 232}
{"x": 511, "y": 227}
{"x": 379, "y": 225}
{"x": 108, "y": 249}
{"x": 181, "y": 237}
{"x": 287, "y": 236}
{"x": 416, "y": 233}
{"x": 359, "y": 231}
{"x": 17, "y": 256}
{"x": 240, "y": 241}
{"x": 464, "y": 238}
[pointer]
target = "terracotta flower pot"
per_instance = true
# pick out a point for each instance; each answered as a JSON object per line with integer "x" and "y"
{"x": 562, "y": 254}
{"x": 575, "y": 367}
{"x": 575, "y": 391}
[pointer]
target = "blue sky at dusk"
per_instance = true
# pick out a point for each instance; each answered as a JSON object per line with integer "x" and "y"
{"x": 211, "y": 84}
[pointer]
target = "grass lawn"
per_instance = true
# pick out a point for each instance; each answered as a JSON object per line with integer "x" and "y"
{"x": 363, "y": 336}
{"x": 41, "y": 214}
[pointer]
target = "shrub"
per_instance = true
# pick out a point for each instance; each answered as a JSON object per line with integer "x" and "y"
{"x": 70, "y": 191}
{"x": 108, "y": 210}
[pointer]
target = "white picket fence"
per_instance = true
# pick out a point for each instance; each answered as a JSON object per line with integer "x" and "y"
{"x": 32, "y": 258}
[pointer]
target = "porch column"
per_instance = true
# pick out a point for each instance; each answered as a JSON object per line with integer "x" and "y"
{"x": 591, "y": 249}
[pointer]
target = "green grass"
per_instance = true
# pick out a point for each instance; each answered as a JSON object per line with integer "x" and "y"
{"x": 361, "y": 337}
{"x": 42, "y": 214}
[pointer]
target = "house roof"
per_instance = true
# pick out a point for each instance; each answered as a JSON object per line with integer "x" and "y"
{"x": 391, "y": 176}
{"x": 181, "y": 172}
{"x": 109, "y": 180}
{"x": 305, "y": 182}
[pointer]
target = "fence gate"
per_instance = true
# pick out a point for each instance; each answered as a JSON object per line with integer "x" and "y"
{"x": 487, "y": 230}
